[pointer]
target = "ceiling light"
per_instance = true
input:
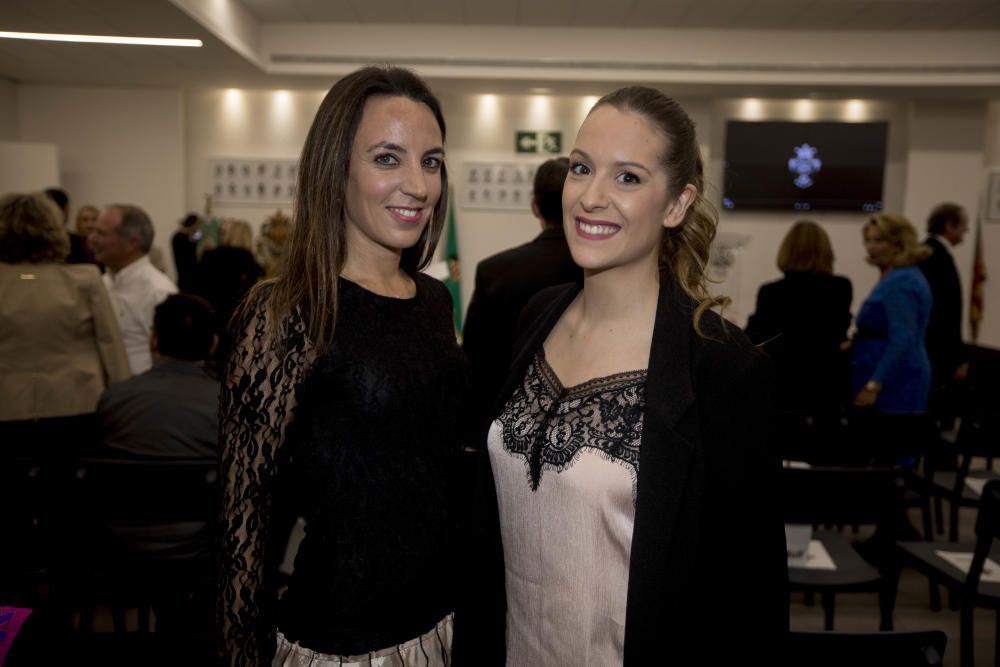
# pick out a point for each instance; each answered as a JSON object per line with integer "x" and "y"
{"x": 100, "y": 39}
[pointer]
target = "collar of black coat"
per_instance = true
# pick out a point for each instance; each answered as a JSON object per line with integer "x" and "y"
{"x": 669, "y": 392}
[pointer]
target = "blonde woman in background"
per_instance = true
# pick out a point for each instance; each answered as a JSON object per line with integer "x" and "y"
{"x": 60, "y": 345}
{"x": 86, "y": 220}
{"x": 891, "y": 371}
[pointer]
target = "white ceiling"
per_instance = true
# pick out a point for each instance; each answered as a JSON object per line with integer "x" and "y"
{"x": 220, "y": 63}
{"x": 758, "y": 14}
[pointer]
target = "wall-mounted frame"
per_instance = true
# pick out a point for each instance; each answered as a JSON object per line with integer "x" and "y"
{"x": 252, "y": 181}
{"x": 497, "y": 185}
{"x": 992, "y": 209}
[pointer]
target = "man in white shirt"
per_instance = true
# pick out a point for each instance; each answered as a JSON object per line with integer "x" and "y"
{"x": 121, "y": 241}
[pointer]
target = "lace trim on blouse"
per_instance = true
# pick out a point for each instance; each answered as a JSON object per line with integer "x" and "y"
{"x": 548, "y": 425}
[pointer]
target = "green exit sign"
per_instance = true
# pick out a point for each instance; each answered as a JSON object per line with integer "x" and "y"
{"x": 538, "y": 142}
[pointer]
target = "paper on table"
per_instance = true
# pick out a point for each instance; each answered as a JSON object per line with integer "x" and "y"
{"x": 963, "y": 560}
{"x": 816, "y": 558}
{"x": 977, "y": 484}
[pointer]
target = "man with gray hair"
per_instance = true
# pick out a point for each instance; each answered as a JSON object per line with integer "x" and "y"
{"x": 121, "y": 241}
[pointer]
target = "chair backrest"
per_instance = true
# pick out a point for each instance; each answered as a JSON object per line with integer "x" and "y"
{"x": 854, "y": 496}
{"x": 883, "y": 439}
{"x": 28, "y": 526}
{"x": 899, "y": 649}
{"x": 148, "y": 490}
{"x": 814, "y": 438}
{"x": 979, "y": 435}
{"x": 987, "y": 530}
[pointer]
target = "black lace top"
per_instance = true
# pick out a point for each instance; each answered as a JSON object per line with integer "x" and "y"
{"x": 368, "y": 463}
{"x": 549, "y": 425}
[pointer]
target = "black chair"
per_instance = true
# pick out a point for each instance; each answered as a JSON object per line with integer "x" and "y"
{"x": 816, "y": 439}
{"x": 926, "y": 558}
{"x": 978, "y": 437}
{"x": 144, "y": 532}
{"x": 845, "y": 497}
{"x": 874, "y": 649}
{"x": 26, "y": 558}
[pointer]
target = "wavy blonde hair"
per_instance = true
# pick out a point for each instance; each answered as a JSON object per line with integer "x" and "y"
{"x": 31, "y": 230}
{"x": 239, "y": 234}
{"x": 685, "y": 249}
{"x": 900, "y": 233}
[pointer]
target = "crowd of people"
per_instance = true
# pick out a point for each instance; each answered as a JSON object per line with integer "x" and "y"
{"x": 618, "y": 418}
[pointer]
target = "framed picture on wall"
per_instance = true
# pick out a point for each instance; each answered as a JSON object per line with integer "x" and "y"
{"x": 993, "y": 196}
{"x": 505, "y": 186}
{"x": 248, "y": 182}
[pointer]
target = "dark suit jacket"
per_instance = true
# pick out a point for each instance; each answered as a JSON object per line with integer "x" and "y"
{"x": 170, "y": 411}
{"x": 944, "y": 331}
{"x": 800, "y": 322}
{"x": 708, "y": 575}
{"x": 505, "y": 283}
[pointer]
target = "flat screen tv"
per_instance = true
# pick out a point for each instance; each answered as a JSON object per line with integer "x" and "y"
{"x": 784, "y": 165}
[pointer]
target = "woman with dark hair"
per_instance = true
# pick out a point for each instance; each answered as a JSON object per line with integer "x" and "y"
{"x": 60, "y": 345}
{"x": 891, "y": 371}
{"x": 801, "y": 322}
{"x": 341, "y": 399}
{"x": 627, "y": 451}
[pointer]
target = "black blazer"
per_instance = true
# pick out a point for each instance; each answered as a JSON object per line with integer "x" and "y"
{"x": 944, "y": 331}
{"x": 800, "y": 322}
{"x": 708, "y": 576}
{"x": 505, "y": 283}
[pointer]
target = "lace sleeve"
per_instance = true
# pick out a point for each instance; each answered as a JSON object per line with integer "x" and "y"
{"x": 257, "y": 401}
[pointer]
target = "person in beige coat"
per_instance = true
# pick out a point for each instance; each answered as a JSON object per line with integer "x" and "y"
{"x": 60, "y": 344}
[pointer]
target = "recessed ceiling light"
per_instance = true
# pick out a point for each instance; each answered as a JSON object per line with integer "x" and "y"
{"x": 100, "y": 39}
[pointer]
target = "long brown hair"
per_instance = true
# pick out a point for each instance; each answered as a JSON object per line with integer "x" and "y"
{"x": 307, "y": 278}
{"x": 684, "y": 250}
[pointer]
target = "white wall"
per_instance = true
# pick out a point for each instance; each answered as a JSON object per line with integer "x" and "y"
{"x": 242, "y": 124}
{"x": 27, "y": 167}
{"x": 116, "y": 145}
{"x": 8, "y": 111}
{"x": 989, "y": 331}
{"x": 946, "y": 163}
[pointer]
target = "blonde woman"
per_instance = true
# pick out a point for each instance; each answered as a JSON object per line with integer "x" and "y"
{"x": 60, "y": 345}
{"x": 891, "y": 371}
{"x": 627, "y": 451}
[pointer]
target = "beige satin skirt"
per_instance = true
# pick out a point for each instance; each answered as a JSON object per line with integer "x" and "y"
{"x": 431, "y": 649}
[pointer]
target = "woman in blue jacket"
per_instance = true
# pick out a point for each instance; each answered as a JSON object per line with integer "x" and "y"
{"x": 891, "y": 371}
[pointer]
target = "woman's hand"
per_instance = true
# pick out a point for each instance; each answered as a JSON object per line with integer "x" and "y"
{"x": 866, "y": 398}
{"x": 868, "y": 395}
